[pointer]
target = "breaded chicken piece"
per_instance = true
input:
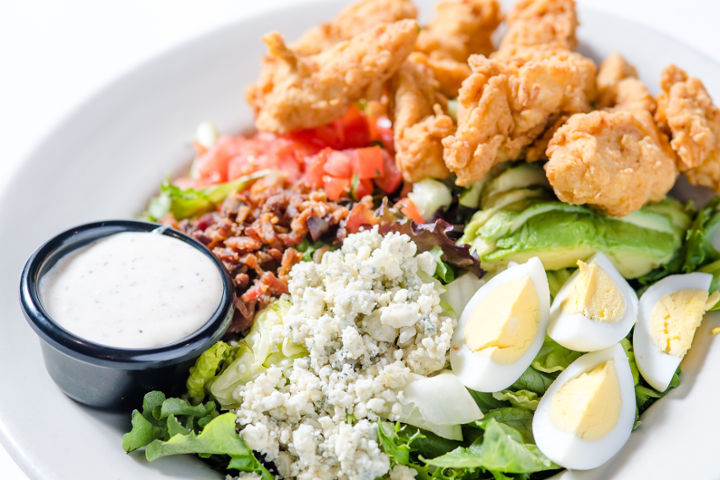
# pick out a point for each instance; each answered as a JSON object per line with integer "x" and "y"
{"x": 419, "y": 132}
{"x": 351, "y": 21}
{"x": 304, "y": 92}
{"x": 616, "y": 159}
{"x": 505, "y": 106}
{"x": 613, "y": 160}
{"x": 461, "y": 28}
{"x": 450, "y": 74}
{"x": 533, "y": 23}
{"x": 687, "y": 112}
{"x": 613, "y": 69}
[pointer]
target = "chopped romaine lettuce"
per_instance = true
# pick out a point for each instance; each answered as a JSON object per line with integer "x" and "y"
{"x": 459, "y": 292}
{"x": 443, "y": 271}
{"x": 553, "y": 357}
{"x": 429, "y": 196}
{"x": 208, "y": 365}
{"x": 255, "y": 353}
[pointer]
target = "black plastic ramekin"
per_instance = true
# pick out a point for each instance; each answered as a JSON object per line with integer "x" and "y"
{"x": 109, "y": 377}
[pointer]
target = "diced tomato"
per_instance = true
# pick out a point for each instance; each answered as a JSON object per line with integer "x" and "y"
{"x": 212, "y": 166}
{"x": 355, "y": 128}
{"x": 199, "y": 149}
{"x": 266, "y": 150}
{"x": 315, "y": 169}
{"x": 381, "y": 131}
{"x": 392, "y": 176}
{"x": 408, "y": 208}
{"x": 339, "y": 164}
{"x": 360, "y": 215}
{"x": 363, "y": 187}
{"x": 369, "y": 163}
{"x": 335, "y": 187}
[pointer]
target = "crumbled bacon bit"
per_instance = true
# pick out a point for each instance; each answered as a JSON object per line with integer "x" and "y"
{"x": 253, "y": 233}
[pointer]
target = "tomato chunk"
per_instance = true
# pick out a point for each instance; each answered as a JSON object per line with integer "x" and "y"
{"x": 392, "y": 176}
{"x": 335, "y": 187}
{"x": 338, "y": 164}
{"x": 408, "y": 208}
{"x": 369, "y": 162}
{"x": 363, "y": 187}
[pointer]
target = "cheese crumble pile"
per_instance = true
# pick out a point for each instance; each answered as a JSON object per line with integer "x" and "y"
{"x": 369, "y": 315}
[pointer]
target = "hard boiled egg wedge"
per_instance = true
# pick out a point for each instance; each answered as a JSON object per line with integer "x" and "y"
{"x": 596, "y": 308}
{"x": 587, "y": 414}
{"x": 502, "y": 328}
{"x": 670, "y": 312}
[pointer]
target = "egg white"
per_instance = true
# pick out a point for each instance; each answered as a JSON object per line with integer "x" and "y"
{"x": 656, "y": 367}
{"x": 568, "y": 450}
{"x": 482, "y": 373}
{"x": 577, "y": 332}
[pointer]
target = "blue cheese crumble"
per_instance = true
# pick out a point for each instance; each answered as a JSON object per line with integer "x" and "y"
{"x": 369, "y": 315}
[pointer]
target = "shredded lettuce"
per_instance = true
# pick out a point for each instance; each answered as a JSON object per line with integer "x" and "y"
{"x": 208, "y": 365}
{"x": 255, "y": 353}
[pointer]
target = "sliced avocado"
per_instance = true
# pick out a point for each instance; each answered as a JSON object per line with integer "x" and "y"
{"x": 514, "y": 216}
{"x": 561, "y": 238}
{"x": 499, "y": 201}
{"x": 523, "y": 176}
{"x": 653, "y": 221}
{"x": 471, "y": 197}
{"x": 674, "y": 209}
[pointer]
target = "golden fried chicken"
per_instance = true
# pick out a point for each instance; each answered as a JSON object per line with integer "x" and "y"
{"x": 419, "y": 132}
{"x": 533, "y": 23}
{"x": 351, "y": 21}
{"x": 505, "y": 106}
{"x": 687, "y": 112}
{"x": 613, "y": 160}
{"x": 301, "y": 92}
{"x": 460, "y": 28}
{"x": 616, "y": 159}
{"x": 611, "y": 71}
{"x": 450, "y": 74}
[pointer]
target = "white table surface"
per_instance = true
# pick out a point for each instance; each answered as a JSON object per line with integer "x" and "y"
{"x": 53, "y": 55}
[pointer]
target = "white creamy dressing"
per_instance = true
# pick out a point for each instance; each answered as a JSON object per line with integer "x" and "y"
{"x": 132, "y": 290}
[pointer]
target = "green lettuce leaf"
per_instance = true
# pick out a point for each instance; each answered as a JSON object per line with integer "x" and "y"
{"x": 557, "y": 278}
{"x": 443, "y": 271}
{"x": 190, "y": 203}
{"x": 553, "y": 357}
{"x": 219, "y": 437}
{"x": 518, "y": 418}
{"x": 519, "y": 398}
{"x": 162, "y": 417}
{"x": 645, "y": 395}
{"x": 501, "y": 449}
{"x": 534, "y": 381}
{"x": 206, "y": 368}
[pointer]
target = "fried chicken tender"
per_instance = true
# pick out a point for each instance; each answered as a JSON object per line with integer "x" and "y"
{"x": 460, "y": 28}
{"x": 450, "y": 74}
{"x": 351, "y": 21}
{"x": 505, "y": 106}
{"x": 533, "y": 23}
{"x": 612, "y": 70}
{"x": 616, "y": 159}
{"x": 687, "y": 112}
{"x": 301, "y": 92}
{"x": 419, "y": 132}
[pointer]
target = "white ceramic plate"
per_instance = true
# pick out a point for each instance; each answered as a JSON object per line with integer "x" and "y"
{"x": 107, "y": 159}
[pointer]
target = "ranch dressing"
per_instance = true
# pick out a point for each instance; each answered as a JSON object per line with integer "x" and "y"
{"x": 132, "y": 290}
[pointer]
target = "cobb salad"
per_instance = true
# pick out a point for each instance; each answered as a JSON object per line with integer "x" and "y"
{"x": 451, "y": 260}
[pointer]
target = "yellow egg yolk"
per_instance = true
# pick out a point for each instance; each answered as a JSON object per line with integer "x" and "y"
{"x": 588, "y": 405}
{"x": 504, "y": 324}
{"x": 594, "y": 295}
{"x": 674, "y": 319}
